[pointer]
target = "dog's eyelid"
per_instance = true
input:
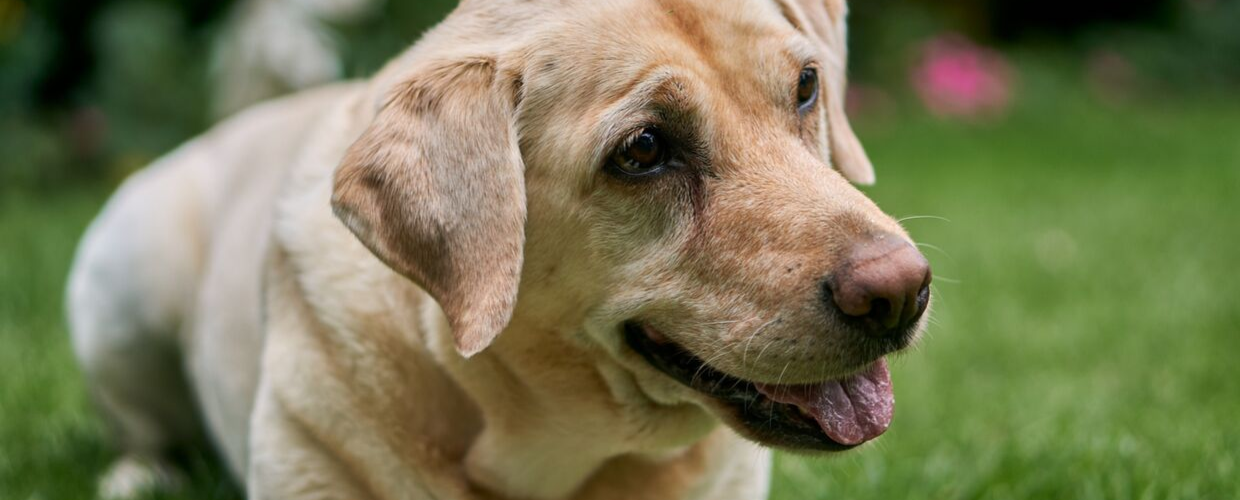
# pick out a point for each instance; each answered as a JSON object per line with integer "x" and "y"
{"x": 636, "y": 133}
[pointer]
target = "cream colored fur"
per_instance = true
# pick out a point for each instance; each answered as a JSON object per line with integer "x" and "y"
{"x": 457, "y": 336}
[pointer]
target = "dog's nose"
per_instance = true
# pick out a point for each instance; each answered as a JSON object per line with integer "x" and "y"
{"x": 883, "y": 281}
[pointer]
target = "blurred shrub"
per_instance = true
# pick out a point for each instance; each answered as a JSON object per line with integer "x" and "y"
{"x": 1024, "y": 20}
{"x": 142, "y": 93}
{"x": 139, "y": 86}
{"x": 1200, "y": 49}
{"x": 150, "y": 87}
{"x": 371, "y": 42}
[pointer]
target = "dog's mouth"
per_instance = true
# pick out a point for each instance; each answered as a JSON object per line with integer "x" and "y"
{"x": 833, "y": 415}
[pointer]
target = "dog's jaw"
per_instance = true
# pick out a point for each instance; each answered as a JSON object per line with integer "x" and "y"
{"x": 830, "y": 415}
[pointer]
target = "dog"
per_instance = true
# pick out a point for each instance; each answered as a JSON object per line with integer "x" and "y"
{"x": 557, "y": 249}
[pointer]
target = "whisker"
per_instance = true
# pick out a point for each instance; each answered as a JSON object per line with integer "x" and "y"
{"x": 717, "y": 323}
{"x": 779, "y": 385}
{"x": 935, "y": 248}
{"x": 720, "y": 349}
{"x": 745, "y": 353}
{"x": 719, "y": 353}
{"x": 763, "y": 351}
{"x": 921, "y": 217}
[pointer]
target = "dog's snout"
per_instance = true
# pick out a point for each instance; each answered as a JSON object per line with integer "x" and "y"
{"x": 884, "y": 282}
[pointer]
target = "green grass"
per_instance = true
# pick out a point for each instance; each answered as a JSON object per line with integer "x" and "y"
{"x": 1087, "y": 316}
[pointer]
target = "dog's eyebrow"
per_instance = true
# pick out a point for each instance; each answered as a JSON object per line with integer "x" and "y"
{"x": 632, "y": 107}
{"x": 649, "y": 82}
{"x": 641, "y": 78}
{"x": 644, "y": 90}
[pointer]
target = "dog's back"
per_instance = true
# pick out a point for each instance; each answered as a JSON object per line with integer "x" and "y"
{"x": 170, "y": 243}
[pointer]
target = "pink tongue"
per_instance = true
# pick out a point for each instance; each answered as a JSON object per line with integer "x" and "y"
{"x": 851, "y": 411}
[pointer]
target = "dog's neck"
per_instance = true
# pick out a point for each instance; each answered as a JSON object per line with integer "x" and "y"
{"x": 558, "y": 414}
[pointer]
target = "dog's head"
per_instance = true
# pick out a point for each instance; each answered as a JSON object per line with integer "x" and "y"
{"x": 666, "y": 180}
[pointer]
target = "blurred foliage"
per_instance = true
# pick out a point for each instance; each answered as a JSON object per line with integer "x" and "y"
{"x": 140, "y": 84}
{"x": 1202, "y": 49}
{"x": 92, "y": 89}
{"x": 371, "y": 42}
{"x": 1170, "y": 45}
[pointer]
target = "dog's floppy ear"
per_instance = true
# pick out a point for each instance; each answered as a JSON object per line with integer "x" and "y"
{"x": 825, "y": 22}
{"x": 435, "y": 188}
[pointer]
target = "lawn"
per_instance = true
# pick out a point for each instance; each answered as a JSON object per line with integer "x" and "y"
{"x": 1086, "y": 323}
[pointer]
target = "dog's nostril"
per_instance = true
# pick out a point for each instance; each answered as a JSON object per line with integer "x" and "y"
{"x": 881, "y": 313}
{"x": 923, "y": 298}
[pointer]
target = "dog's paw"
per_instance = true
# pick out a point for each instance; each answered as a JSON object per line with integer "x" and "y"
{"x": 132, "y": 477}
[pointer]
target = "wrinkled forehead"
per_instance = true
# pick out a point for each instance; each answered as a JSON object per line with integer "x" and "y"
{"x": 742, "y": 51}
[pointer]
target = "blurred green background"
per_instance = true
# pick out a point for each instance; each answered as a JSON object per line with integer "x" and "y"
{"x": 1071, "y": 167}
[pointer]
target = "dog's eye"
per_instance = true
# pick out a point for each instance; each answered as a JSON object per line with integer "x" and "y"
{"x": 807, "y": 89}
{"x": 642, "y": 155}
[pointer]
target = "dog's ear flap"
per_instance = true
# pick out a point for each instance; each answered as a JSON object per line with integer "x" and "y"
{"x": 825, "y": 22}
{"x": 436, "y": 189}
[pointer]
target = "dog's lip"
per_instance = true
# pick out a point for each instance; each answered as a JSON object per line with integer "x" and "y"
{"x": 813, "y": 417}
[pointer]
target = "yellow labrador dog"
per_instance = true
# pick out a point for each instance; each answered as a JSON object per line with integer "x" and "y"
{"x": 558, "y": 249}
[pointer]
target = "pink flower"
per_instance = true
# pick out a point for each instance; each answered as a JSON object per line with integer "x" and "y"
{"x": 955, "y": 77}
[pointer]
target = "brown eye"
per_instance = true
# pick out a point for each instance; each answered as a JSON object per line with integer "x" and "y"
{"x": 807, "y": 89}
{"x": 643, "y": 154}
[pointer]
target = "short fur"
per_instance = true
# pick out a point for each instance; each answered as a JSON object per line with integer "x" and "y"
{"x": 457, "y": 336}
